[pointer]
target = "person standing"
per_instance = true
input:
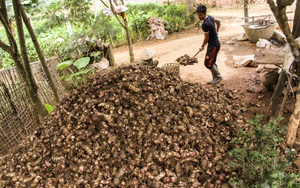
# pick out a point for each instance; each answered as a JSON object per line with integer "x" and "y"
{"x": 210, "y": 27}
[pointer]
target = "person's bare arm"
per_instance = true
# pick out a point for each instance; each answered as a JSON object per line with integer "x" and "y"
{"x": 218, "y": 24}
{"x": 205, "y": 40}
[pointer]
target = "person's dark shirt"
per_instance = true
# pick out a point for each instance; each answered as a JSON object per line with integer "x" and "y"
{"x": 209, "y": 26}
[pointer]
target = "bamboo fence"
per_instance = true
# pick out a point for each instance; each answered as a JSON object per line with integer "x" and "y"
{"x": 17, "y": 115}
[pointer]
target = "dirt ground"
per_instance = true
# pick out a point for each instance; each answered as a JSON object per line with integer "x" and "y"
{"x": 244, "y": 81}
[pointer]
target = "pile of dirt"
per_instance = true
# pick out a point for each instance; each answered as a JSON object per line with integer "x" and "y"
{"x": 186, "y": 60}
{"x": 135, "y": 126}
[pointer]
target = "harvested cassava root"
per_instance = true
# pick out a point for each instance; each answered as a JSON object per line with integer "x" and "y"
{"x": 186, "y": 60}
{"x": 135, "y": 126}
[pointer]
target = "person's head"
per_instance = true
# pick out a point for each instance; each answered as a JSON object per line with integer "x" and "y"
{"x": 201, "y": 12}
{"x": 148, "y": 53}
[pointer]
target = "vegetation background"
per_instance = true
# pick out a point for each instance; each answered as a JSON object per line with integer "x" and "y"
{"x": 58, "y": 30}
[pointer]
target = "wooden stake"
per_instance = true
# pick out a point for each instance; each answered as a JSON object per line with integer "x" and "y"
{"x": 294, "y": 122}
{"x": 286, "y": 94}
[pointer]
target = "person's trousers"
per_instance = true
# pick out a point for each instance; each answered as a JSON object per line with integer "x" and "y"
{"x": 211, "y": 56}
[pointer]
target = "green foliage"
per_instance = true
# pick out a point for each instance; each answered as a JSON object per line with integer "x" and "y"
{"x": 260, "y": 156}
{"x": 105, "y": 28}
{"x": 63, "y": 65}
{"x": 48, "y": 42}
{"x": 31, "y": 6}
{"x": 76, "y": 11}
{"x": 78, "y": 54}
{"x": 53, "y": 14}
{"x": 50, "y": 25}
{"x": 147, "y": 7}
{"x": 175, "y": 17}
{"x": 79, "y": 11}
{"x": 49, "y": 108}
{"x": 139, "y": 23}
{"x": 53, "y": 42}
{"x": 41, "y": 5}
{"x": 5, "y": 61}
{"x": 75, "y": 77}
{"x": 139, "y": 14}
{"x": 178, "y": 17}
{"x": 80, "y": 46}
{"x": 81, "y": 62}
{"x": 3, "y": 34}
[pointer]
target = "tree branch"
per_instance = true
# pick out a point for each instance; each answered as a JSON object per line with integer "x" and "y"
{"x": 3, "y": 11}
{"x": 116, "y": 3}
{"x": 274, "y": 10}
{"x": 5, "y": 23}
{"x": 116, "y": 15}
{"x": 39, "y": 52}
{"x": 284, "y": 3}
{"x": 281, "y": 18}
{"x": 104, "y": 4}
{"x": 6, "y": 48}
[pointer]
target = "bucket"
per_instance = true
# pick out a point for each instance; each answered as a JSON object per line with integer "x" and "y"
{"x": 256, "y": 31}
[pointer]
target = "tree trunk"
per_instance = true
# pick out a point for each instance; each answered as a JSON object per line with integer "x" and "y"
{"x": 111, "y": 41}
{"x": 129, "y": 40}
{"x": 5, "y": 22}
{"x": 277, "y": 94}
{"x": 112, "y": 61}
{"x": 12, "y": 50}
{"x": 246, "y": 14}
{"x": 40, "y": 53}
{"x": 139, "y": 34}
{"x": 33, "y": 89}
{"x": 294, "y": 122}
{"x": 21, "y": 71}
{"x": 279, "y": 12}
{"x": 124, "y": 24}
{"x": 14, "y": 53}
{"x": 287, "y": 91}
{"x": 296, "y": 22}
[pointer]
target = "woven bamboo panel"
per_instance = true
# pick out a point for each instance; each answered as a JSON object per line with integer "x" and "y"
{"x": 17, "y": 115}
{"x": 172, "y": 67}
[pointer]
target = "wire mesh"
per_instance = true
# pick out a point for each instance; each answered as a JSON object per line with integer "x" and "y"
{"x": 17, "y": 115}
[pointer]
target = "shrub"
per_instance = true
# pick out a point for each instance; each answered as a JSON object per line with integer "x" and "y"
{"x": 261, "y": 157}
{"x": 178, "y": 17}
{"x": 49, "y": 27}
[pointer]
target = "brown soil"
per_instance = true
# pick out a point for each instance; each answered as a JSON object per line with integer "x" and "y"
{"x": 243, "y": 80}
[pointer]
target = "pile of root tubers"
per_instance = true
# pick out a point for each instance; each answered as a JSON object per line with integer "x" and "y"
{"x": 186, "y": 60}
{"x": 133, "y": 126}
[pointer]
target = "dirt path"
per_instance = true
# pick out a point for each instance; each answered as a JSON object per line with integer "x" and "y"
{"x": 188, "y": 43}
{"x": 244, "y": 81}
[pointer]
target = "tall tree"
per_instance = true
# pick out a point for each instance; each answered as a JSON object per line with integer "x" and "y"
{"x": 40, "y": 53}
{"x": 279, "y": 11}
{"x": 121, "y": 17}
{"x": 21, "y": 64}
